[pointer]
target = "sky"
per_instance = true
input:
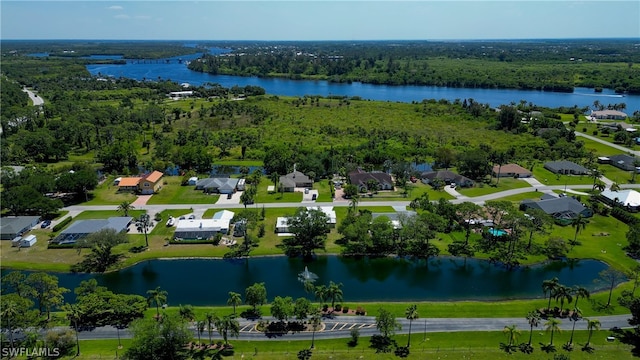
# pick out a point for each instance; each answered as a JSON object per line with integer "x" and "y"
{"x": 318, "y": 20}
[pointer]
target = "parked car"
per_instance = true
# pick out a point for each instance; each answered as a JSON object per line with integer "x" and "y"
{"x": 191, "y": 217}
{"x": 453, "y": 185}
{"x": 45, "y": 224}
{"x": 229, "y": 196}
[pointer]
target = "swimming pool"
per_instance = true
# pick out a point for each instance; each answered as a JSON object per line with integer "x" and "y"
{"x": 497, "y": 232}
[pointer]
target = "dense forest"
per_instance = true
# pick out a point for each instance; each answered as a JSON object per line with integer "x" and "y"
{"x": 541, "y": 65}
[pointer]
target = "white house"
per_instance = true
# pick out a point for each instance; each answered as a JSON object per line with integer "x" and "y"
{"x": 204, "y": 229}
{"x": 627, "y": 198}
{"x": 282, "y": 225}
{"x": 328, "y": 211}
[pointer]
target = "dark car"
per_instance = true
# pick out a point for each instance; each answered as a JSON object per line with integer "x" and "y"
{"x": 45, "y": 224}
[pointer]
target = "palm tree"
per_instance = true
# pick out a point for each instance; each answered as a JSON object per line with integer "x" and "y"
{"x": 321, "y": 293}
{"x": 596, "y": 174}
{"x": 577, "y": 315}
{"x": 533, "y": 318}
{"x": 353, "y": 203}
{"x": 315, "y": 321}
{"x": 210, "y": 319}
{"x": 513, "y": 333}
{"x": 550, "y": 286}
{"x": 553, "y": 325}
{"x": 74, "y": 314}
{"x": 143, "y": 224}
{"x": 563, "y": 293}
{"x": 334, "y": 293}
{"x": 227, "y": 325}
{"x": 580, "y": 292}
{"x": 124, "y": 207}
{"x": 592, "y": 325}
{"x": 200, "y": 325}
{"x": 234, "y": 300}
{"x": 9, "y": 312}
{"x": 411, "y": 314}
{"x": 309, "y": 287}
{"x": 579, "y": 223}
{"x": 186, "y": 312}
{"x": 157, "y": 296}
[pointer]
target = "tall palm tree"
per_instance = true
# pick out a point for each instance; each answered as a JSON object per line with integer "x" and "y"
{"x": 411, "y": 314}
{"x": 143, "y": 224}
{"x": 315, "y": 320}
{"x": 234, "y": 300}
{"x": 74, "y": 314}
{"x": 227, "y": 325}
{"x": 592, "y": 324}
{"x": 210, "y": 319}
{"x": 596, "y": 174}
{"x": 550, "y": 286}
{"x": 553, "y": 326}
{"x": 563, "y": 293}
{"x": 124, "y": 207}
{"x": 321, "y": 293}
{"x": 9, "y": 312}
{"x": 157, "y": 296}
{"x": 186, "y": 312}
{"x": 533, "y": 318}
{"x": 512, "y": 332}
{"x": 353, "y": 203}
{"x": 200, "y": 325}
{"x": 577, "y": 315}
{"x": 334, "y": 292}
{"x": 579, "y": 223}
{"x": 580, "y": 292}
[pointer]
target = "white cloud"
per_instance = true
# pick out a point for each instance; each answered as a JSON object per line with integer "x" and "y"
{"x": 115, "y": 7}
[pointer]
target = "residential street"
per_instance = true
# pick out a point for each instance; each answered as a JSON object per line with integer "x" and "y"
{"x": 615, "y": 146}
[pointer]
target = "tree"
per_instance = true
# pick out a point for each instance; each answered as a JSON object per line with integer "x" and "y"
{"x": 575, "y": 316}
{"x": 9, "y": 312}
{"x": 386, "y": 323}
{"x": 74, "y": 314}
{"x": 46, "y": 291}
{"x": 248, "y": 195}
{"x": 411, "y": 313}
{"x": 309, "y": 229}
{"x": 255, "y": 295}
{"x": 563, "y": 293}
{"x": 227, "y": 325}
{"x": 143, "y": 224}
{"x": 580, "y": 292}
{"x": 596, "y": 173}
{"x": 315, "y": 321}
{"x": 552, "y": 326}
{"x": 350, "y": 191}
{"x": 550, "y": 287}
{"x": 101, "y": 256}
{"x": 512, "y": 334}
{"x": 157, "y": 296}
{"x": 186, "y": 313}
{"x": 234, "y": 300}
{"x": 592, "y": 324}
{"x": 125, "y": 207}
{"x": 579, "y": 223}
{"x": 334, "y": 293}
{"x": 320, "y": 293}
{"x": 468, "y": 211}
{"x": 200, "y": 325}
{"x": 163, "y": 339}
{"x": 610, "y": 277}
{"x": 282, "y": 308}
{"x": 210, "y": 320}
{"x": 533, "y": 318}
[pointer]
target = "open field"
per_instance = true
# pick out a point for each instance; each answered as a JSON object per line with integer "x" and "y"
{"x": 546, "y": 177}
{"x": 483, "y": 189}
{"x": 173, "y": 192}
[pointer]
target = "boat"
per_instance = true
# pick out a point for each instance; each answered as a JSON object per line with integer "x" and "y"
{"x": 171, "y": 221}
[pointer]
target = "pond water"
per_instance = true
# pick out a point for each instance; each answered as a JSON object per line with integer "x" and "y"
{"x": 208, "y": 282}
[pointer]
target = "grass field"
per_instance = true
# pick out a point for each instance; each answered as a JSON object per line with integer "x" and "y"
{"x": 174, "y": 193}
{"x": 413, "y": 191}
{"x": 104, "y": 214}
{"x": 546, "y": 177}
{"x": 483, "y": 189}
{"x": 519, "y": 197}
{"x": 107, "y": 194}
{"x": 600, "y": 149}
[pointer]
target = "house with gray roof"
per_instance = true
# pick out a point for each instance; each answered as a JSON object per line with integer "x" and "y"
{"x": 363, "y": 180}
{"x": 83, "y": 228}
{"x": 14, "y": 226}
{"x": 449, "y": 177}
{"x": 220, "y": 185}
{"x": 624, "y": 162}
{"x": 562, "y": 209}
{"x": 295, "y": 179}
{"x": 566, "y": 167}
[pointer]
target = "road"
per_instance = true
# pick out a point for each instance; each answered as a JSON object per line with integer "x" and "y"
{"x": 37, "y": 100}
{"x": 341, "y": 326}
{"x": 615, "y": 146}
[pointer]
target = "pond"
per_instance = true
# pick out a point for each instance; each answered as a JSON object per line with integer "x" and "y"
{"x": 208, "y": 282}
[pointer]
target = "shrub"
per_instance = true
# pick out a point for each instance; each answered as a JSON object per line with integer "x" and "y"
{"x": 623, "y": 216}
{"x": 345, "y": 309}
{"x": 595, "y": 132}
{"x": 261, "y": 230}
{"x": 338, "y": 307}
{"x": 360, "y": 311}
{"x": 59, "y": 226}
{"x": 158, "y": 217}
{"x": 325, "y": 307}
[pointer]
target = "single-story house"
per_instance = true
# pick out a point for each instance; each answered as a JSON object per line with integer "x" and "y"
{"x": 282, "y": 224}
{"x": 204, "y": 229}
{"x": 221, "y": 185}
{"x": 82, "y": 228}
{"x": 14, "y": 226}
{"x": 447, "y": 176}
{"x": 146, "y": 185}
{"x": 624, "y": 162}
{"x": 608, "y": 115}
{"x": 565, "y": 167}
{"x": 128, "y": 183}
{"x": 604, "y": 160}
{"x": 180, "y": 94}
{"x": 396, "y": 218}
{"x": 295, "y": 179}
{"x": 361, "y": 179}
{"x": 328, "y": 211}
{"x": 511, "y": 170}
{"x": 562, "y": 209}
{"x": 627, "y": 198}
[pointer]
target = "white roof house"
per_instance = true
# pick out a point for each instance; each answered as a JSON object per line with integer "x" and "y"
{"x": 200, "y": 229}
{"x": 282, "y": 225}
{"x": 630, "y": 198}
{"x": 327, "y": 210}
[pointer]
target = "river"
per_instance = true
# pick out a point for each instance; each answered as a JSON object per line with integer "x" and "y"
{"x": 175, "y": 69}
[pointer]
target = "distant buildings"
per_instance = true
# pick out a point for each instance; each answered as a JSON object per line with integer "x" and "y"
{"x": 204, "y": 229}
{"x": 448, "y": 177}
{"x": 565, "y": 167}
{"x": 562, "y": 209}
{"x": 630, "y": 199}
{"x": 145, "y": 185}
{"x": 294, "y": 180}
{"x": 14, "y": 226}
{"x": 365, "y": 180}
{"x": 608, "y": 115}
{"x": 510, "y": 170}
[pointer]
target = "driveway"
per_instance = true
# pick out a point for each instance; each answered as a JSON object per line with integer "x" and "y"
{"x": 235, "y": 198}
{"x": 453, "y": 192}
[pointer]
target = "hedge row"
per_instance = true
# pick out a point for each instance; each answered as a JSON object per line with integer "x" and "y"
{"x": 193, "y": 242}
{"x": 59, "y": 226}
{"x": 624, "y": 216}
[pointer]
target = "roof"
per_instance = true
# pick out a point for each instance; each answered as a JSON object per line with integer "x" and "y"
{"x": 360, "y": 177}
{"x": 154, "y": 176}
{"x": 327, "y": 210}
{"x": 445, "y": 175}
{"x": 511, "y": 169}
{"x": 282, "y": 222}
{"x": 624, "y": 197}
{"x": 90, "y": 226}
{"x": 129, "y": 181}
{"x": 626, "y": 161}
{"x": 224, "y": 215}
{"x": 560, "y": 205}
{"x": 15, "y": 224}
{"x": 294, "y": 178}
{"x": 202, "y": 225}
{"x": 566, "y": 165}
{"x": 608, "y": 113}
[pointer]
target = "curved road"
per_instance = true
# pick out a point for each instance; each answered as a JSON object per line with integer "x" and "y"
{"x": 615, "y": 146}
{"x": 37, "y": 100}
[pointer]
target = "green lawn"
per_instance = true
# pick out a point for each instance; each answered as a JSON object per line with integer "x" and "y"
{"x": 546, "y": 177}
{"x": 519, "y": 197}
{"x": 480, "y": 189}
{"x": 617, "y": 175}
{"x": 161, "y": 228}
{"x": 174, "y": 193}
{"x": 104, "y": 214}
{"x": 107, "y": 194}
{"x": 414, "y": 191}
{"x": 324, "y": 192}
{"x": 263, "y": 196}
{"x": 600, "y": 149}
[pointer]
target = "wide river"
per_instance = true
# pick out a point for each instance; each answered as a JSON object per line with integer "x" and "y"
{"x": 176, "y": 70}
{"x": 208, "y": 282}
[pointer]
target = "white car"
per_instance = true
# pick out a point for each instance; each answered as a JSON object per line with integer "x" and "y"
{"x": 453, "y": 185}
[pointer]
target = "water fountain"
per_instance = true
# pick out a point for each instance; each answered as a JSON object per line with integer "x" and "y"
{"x": 307, "y": 275}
